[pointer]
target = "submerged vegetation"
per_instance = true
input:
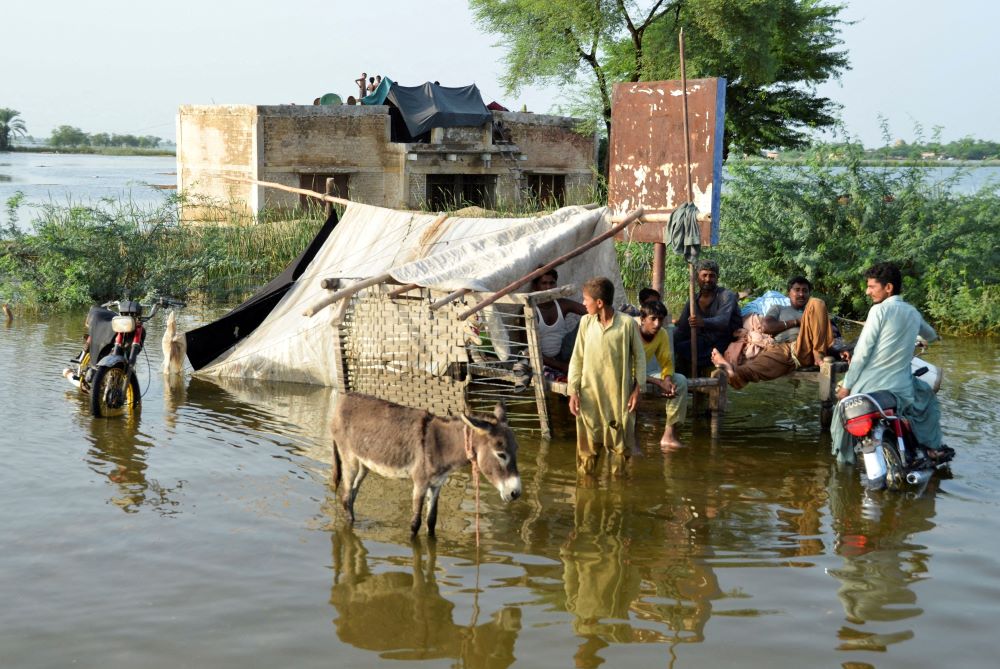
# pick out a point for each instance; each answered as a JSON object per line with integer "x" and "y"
{"x": 827, "y": 221}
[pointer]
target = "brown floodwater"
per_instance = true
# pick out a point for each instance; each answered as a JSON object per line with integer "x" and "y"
{"x": 203, "y": 533}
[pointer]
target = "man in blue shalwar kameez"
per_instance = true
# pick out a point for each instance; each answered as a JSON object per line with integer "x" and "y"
{"x": 881, "y": 361}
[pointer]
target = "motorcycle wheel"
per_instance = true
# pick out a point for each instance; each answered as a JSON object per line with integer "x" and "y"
{"x": 112, "y": 394}
{"x": 895, "y": 475}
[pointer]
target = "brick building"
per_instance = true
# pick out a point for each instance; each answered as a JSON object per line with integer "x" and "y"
{"x": 349, "y": 151}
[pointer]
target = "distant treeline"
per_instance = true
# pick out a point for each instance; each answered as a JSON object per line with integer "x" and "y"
{"x": 69, "y": 136}
{"x": 965, "y": 148}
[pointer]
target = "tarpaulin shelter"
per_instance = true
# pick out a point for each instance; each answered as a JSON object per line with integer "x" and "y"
{"x": 434, "y": 106}
{"x": 401, "y": 347}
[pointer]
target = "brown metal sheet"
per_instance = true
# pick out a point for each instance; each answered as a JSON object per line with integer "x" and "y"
{"x": 647, "y": 163}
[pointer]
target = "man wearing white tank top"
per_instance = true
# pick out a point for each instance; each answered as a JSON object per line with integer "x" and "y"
{"x": 555, "y": 335}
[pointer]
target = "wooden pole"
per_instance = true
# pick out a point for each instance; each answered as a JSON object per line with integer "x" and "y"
{"x": 290, "y": 189}
{"x": 345, "y": 292}
{"x": 447, "y": 299}
{"x": 690, "y": 189}
{"x": 583, "y": 248}
{"x": 402, "y": 289}
{"x": 659, "y": 263}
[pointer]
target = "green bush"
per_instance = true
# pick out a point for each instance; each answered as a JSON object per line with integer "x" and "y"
{"x": 78, "y": 255}
{"x": 830, "y": 222}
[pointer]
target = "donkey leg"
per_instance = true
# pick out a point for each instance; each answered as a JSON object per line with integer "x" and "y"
{"x": 432, "y": 508}
{"x": 419, "y": 492}
{"x": 349, "y": 466}
{"x": 358, "y": 479}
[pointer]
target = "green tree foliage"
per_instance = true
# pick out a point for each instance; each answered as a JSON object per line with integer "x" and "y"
{"x": 67, "y": 135}
{"x": 831, "y": 222}
{"x": 772, "y": 52}
{"x": 10, "y": 127}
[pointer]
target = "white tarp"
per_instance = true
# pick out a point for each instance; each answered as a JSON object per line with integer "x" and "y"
{"x": 483, "y": 254}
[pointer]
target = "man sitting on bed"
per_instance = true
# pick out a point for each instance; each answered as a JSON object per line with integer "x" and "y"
{"x": 802, "y": 335}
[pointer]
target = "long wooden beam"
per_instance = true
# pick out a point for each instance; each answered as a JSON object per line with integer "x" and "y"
{"x": 447, "y": 299}
{"x": 345, "y": 292}
{"x": 290, "y": 189}
{"x": 583, "y": 248}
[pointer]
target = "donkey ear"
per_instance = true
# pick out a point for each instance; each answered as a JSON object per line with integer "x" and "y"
{"x": 473, "y": 423}
{"x": 500, "y": 411}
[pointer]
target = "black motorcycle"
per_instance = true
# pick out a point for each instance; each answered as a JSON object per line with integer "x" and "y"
{"x": 105, "y": 368}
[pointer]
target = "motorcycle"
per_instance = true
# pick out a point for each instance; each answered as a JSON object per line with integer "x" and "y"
{"x": 115, "y": 339}
{"x": 890, "y": 452}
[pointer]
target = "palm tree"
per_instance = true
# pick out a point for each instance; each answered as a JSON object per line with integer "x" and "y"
{"x": 10, "y": 127}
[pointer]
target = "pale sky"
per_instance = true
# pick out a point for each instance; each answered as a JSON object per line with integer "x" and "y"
{"x": 117, "y": 66}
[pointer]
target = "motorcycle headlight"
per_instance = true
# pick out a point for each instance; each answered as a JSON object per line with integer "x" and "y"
{"x": 124, "y": 324}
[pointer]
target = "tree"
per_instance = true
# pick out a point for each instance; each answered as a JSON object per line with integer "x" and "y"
{"x": 67, "y": 135}
{"x": 773, "y": 54}
{"x": 10, "y": 127}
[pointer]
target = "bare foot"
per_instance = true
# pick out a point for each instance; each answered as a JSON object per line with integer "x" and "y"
{"x": 721, "y": 363}
{"x": 670, "y": 441}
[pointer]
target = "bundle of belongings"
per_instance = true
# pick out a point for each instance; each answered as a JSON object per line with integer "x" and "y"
{"x": 751, "y": 339}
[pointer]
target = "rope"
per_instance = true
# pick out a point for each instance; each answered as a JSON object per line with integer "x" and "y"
{"x": 471, "y": 455}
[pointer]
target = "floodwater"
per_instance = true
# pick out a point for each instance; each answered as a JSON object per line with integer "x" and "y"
{"x": 204, "y": 534}
{"x": 82, "y": 179}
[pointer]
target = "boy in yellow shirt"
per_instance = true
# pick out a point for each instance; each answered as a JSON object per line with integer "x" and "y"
{"x": 660, "y": 369}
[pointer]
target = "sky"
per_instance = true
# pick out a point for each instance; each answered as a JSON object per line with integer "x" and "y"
{"x": 124, "y": 67}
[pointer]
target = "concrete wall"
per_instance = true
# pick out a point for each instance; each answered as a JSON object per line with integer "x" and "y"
{"x": 212, "y": 143}
{"x": 283, "y": 143}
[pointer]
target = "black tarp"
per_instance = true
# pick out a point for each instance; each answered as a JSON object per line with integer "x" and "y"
{"x": 435, "y": 106}
{"x": 208, "y": 342}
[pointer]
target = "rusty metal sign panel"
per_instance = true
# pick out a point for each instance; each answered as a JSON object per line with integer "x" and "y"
{"x": 647, "y": 165}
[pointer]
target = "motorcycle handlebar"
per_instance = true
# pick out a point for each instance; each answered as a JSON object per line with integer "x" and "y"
{"x": 159, "y": 302}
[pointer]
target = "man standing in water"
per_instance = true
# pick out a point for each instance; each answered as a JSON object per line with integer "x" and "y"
{"x": 881, "y": 361}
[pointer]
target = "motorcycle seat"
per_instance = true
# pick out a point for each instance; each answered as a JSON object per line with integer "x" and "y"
{"x": 861, "y": 404}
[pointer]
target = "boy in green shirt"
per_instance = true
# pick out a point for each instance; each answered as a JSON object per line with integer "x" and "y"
{"x": 606, "y": 371}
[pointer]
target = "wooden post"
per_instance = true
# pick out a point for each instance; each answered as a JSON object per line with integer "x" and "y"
{"x": 331, "y": 186}
{"x": 537, "y": 368}
{"x": 827, "y": 391}
{"x": 659, "y": 262}
{"x": 690, "y": 198}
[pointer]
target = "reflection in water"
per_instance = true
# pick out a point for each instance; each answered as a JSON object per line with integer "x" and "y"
{"x": 397, "y": 609}
{"x": 118, "y": 451}
{"x": 600, "y": 579}
{"x": 874, "y": 536}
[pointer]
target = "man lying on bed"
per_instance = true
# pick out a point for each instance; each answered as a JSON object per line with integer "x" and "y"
{"x": 802, "y": 335}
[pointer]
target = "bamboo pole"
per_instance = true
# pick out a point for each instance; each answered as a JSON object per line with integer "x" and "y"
{"x": 345, "y": 292}
{"x": 511, "y": 287}
{"x": 454, "y": 295}
{"x": 690, "y": 198}
{"x": 290, "y": 189}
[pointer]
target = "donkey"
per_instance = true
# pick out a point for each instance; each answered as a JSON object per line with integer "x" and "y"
{"x": 398, "y": 442}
